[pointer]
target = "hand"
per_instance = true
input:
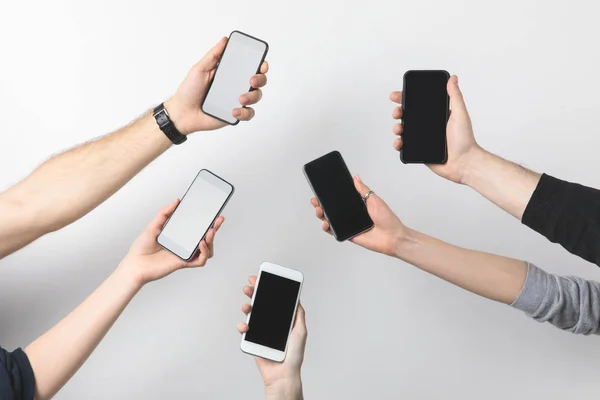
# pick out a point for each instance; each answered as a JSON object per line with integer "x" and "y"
{"x": 185, "y": 106}
{"x": 286, "y": 373}
{"x": 459, "y": 133}
{"x": 388, "y": 231}
{"x": 148, "y": 261}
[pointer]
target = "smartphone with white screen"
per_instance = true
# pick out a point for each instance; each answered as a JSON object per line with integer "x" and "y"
{"x": 241, "y": 59}
{"x": 274, "y": 305}
{"x": 201, "y": 204}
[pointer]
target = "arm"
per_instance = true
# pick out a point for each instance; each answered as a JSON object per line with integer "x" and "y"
{"x": 70, "y": 185}
{"x": 564, "y": 212}
{"x": 568, "y": 303}
{"x": 282, "y": 381}
{"x": 59, "y": 353}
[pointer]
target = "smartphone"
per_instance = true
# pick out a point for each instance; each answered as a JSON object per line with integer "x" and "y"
{"x": 426, "y": 107}
{"x": 242, "y": 58}
{"x": 342, "y": 205}
{"x": 274, "y": 304}
{"x": 201, "y": 204}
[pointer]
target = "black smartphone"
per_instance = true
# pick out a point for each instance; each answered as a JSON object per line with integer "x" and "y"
{"x": 201, "y": 204}
{"x": 342, "y": 205}
{"x": 426, "y": 109}
{"x": 241, "y": 59}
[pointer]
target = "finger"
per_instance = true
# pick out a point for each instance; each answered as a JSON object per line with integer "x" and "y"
{"x": 319, "y": 213}
{"x": 242, "y": 327}
{"x": 398, "y": 129}
{"x": 396, "y": 97}
{"x": 163, "y": 215}
{"x": 456, "y": 98}
{"x": 258, "y": 81}
{"x": 250, "y": 98}
{"x": 243, "y": 114}
{"x": 325, "y": 226}
{"x": 314, "y": 202}
{"x": 252, "y": 280}
{"x": 361, "y": 188}
{"x": 398, "y": 143}
{"x": 246, "y": 308}
{"x": 264, "y": 68}
{"x": 211, "y": 59}
{"x": 218, "y": 222}
{"x": 248, "y": 291}
{"x": 200, "y": 260}
{"x": 397, "y": 113}
{"x": 210, "y": 237}
{"x": 204, "y": 250}
{"x": 301, "y": 315}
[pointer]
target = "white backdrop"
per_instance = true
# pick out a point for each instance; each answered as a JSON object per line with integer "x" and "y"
{"x": 378, "y": 328}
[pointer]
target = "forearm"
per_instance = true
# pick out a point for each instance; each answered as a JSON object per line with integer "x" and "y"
{"x": 502, "y": 182}
{"x": 59, "y": 353}
{"x": 70, "y": 185}
{"x": 494, "y": 277}
{"x": 289, "y": 389}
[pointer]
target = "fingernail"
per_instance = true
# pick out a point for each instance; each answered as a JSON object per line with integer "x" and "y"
{"x": 358, "y": 178}
{"x": 237, "y": 112}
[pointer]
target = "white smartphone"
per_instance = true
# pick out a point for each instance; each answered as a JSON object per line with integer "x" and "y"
{"x": 242, "y": 58}
{"x": 201, "y": 204}
{"x": 274, "y": 305}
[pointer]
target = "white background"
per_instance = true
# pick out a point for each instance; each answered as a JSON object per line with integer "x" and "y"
{"x": 378, "y": 328}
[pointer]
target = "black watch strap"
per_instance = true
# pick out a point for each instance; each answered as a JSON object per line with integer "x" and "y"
{"x": 167, "y": 126}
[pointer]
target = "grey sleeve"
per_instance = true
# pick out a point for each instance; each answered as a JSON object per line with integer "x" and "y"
{"x": 567, "y": 302}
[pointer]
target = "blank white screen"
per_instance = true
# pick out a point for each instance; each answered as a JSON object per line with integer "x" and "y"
{"x": 239, "y": 63}
{"x": 195, "y": 214}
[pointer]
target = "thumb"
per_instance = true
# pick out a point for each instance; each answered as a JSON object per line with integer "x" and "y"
{"x": 361, "y": 188}
{"x": 300, "y": 319}
{"x": 457, "y": 102}
{"x": 211, "y": 59}
{"x": 163, "y": 215}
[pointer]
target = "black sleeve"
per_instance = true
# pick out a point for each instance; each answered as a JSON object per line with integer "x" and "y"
{"x": 16, "y": 376}
{"x": 566, "y": 213}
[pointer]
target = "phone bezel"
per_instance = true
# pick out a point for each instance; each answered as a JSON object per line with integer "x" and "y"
{"x": 264, "y": 351}
{"x": 250, "y": 86}
{"x": 447, "y": 74}
{"x": 337, "y": 237}
{"x": 195, "y": 251}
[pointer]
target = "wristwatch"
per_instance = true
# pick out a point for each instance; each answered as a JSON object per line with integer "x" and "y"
{"x": 167, "y": 126}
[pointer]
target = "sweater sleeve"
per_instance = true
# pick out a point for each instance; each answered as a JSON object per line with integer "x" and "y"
{"x": 566, "y": 213}
{"x": 569, "y": 303}
{"x": 16, "y": 376}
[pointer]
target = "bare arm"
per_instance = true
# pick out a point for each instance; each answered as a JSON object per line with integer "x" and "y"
{"x": 70, "y": 185}
{"x": 59, "y": 353}
{"x": 494, "y": 277}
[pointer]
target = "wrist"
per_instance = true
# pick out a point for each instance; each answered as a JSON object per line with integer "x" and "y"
{"x": 287, "y": 388}
{"x": 127, "y": 272}
{"x": 472, "y": 167}
{"x": 406, "y": 240}
{"x": 176, "y": 114}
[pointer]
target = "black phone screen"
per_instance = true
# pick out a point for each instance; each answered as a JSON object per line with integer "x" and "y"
{"x": 272, "y": 311}
{"x": 343, "y": 206}
{"x": 426, "y": 110}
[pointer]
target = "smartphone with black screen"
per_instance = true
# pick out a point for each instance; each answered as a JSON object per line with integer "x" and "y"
{"x": 201, "y": 204}
{"x": 241, "y": 59}
{"x": 274, "y": 305}
{"x": 342, "y": 205}
{"x": 426, "y": 109}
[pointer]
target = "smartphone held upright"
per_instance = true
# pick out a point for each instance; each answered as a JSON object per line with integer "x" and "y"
{"x": 426, "y": 109}
{"x": 241, "y": 59}
{"x": 274, "y": 304}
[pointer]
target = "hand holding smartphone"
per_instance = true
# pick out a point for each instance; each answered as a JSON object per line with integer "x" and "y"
{"x": 274, "y": 304}
{"x": 200, "y": 206}
{"x": 342, "y": 205}
{"x": 242, "y": 58}
{"x": 426, "y": 109}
